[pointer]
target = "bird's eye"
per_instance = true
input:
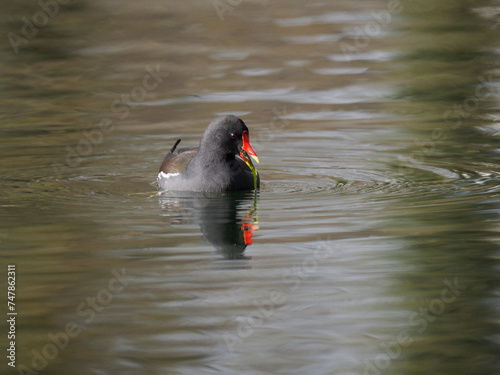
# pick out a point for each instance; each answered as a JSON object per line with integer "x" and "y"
{"x": 233, "y": 136}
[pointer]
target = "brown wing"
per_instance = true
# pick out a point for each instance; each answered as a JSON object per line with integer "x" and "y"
{"x": 176, "y": 163}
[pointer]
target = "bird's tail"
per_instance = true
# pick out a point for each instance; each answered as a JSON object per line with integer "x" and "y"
{"x": 175, "y": 146}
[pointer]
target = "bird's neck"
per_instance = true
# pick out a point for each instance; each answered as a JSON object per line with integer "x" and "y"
{"x": 214, "y": 156}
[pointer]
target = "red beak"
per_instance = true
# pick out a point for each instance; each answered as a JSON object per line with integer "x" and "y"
{"x": 246, "y": 146}
{"x": 247, "y": 229}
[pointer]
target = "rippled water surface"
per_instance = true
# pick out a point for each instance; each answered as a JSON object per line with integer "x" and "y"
{"x": 372, "y": 246}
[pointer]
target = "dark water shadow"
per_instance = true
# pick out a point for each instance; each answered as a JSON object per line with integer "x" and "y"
{"x": 227, "y": 221}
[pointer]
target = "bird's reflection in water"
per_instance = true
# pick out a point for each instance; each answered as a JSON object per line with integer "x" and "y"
{"x": 227, "y": 221}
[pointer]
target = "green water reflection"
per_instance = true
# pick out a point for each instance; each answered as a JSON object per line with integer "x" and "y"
{"x": 449, "y": 80}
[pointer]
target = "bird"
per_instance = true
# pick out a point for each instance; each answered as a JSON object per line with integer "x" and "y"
{"x": 220, "y": 163}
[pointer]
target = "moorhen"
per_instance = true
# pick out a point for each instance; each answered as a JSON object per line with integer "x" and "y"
{"x": 213, "y": 166}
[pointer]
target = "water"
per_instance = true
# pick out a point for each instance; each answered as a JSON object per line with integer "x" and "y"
{"x": 371, "y": 248}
